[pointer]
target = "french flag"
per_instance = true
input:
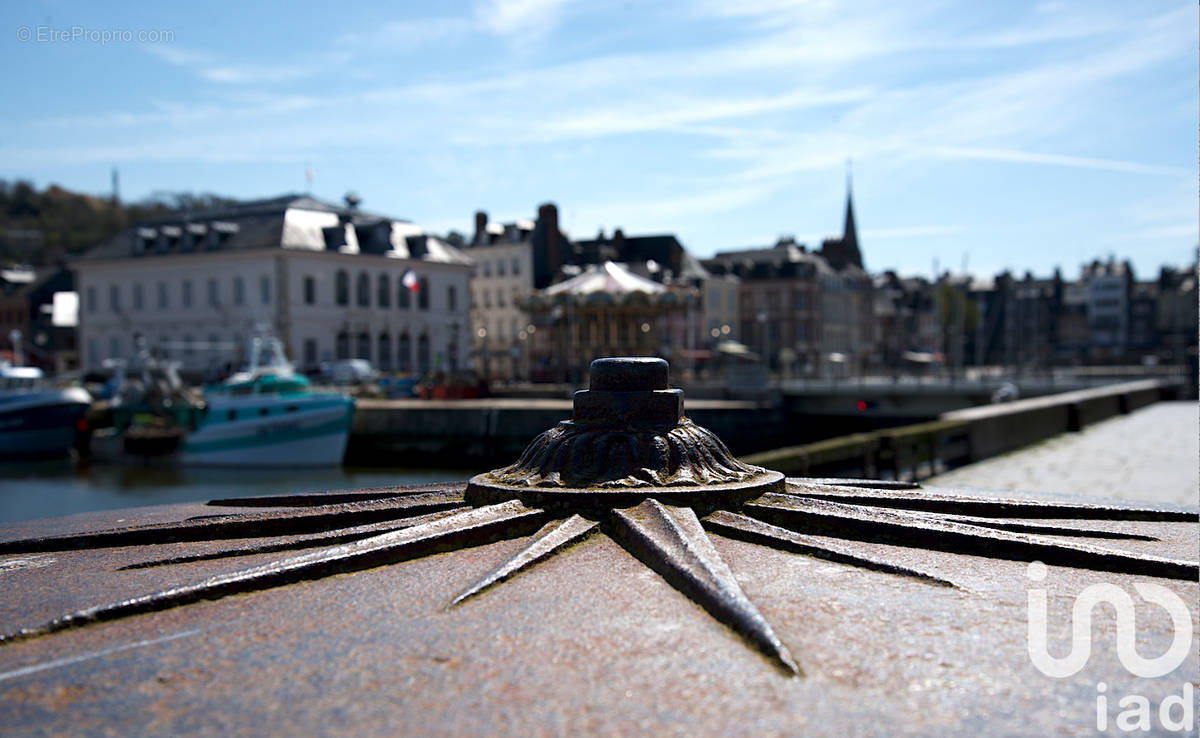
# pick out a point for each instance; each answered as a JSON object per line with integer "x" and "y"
{"x": 410, "y": 281}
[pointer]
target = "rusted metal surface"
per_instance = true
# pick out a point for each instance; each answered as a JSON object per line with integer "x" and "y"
{"x": 429, "y": 610}
{"x": 671, "y": 541}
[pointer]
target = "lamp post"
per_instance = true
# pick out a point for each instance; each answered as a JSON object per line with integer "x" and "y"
{"x": 766, "y": 342}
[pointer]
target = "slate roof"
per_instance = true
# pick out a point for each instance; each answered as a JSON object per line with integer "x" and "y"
{"x": 294, "y": 222}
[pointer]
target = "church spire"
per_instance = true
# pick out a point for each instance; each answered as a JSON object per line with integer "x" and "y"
{"x": 844, "y": 252}
{"x": 849, "y": 231}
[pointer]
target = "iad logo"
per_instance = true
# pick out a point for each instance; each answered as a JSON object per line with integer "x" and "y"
{"x": 1081, "y": 628}
{"x": 1138, "y": 715}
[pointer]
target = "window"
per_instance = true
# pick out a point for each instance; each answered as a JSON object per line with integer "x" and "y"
{"x": 114, "y": 347}
{"x": 162, "y": 295}
{"x": 342, "y": 349}
{"x": 500, "y": 267}
{"x": 187, "y": 293}
{"x": 310, "y": 291}
{"x": 342, "y": 290}
{"x": 137, "y": 296}
{"x": 385, "y": 351}
{"x": 500, "y": 297}
{"x": 363, "y": 293}
{"x": 264, "y": 286}
{"x": 91, "y": 302}
{"x": 451, "y": 298}
{"x": 384, "y": 291}
{"x": 423, "y": 295}
{"x": 212, "y": 293}
{"x": 310, "y": 349}
{"x": 93, "y": 352}
{"x": 187, "y": 345}
{"x": 239, "y": 291}
{"x": 423, "y": 353}
{"x": 487, "y": 268}
{"x": 516, "y": 266}
{"x": 114, "y": 298}
{"x": 403, "y": 296}
{"x": 364, "y": 346}
{"x": 404, "y": 353}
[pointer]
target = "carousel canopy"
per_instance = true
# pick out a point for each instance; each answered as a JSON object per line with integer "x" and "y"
{"x": 609, "y": 277}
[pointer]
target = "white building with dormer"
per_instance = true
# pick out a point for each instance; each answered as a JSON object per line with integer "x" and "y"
{"x": 328, "y": 280}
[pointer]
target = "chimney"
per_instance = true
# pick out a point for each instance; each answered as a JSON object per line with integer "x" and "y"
{"x": 480, "y": 227}
{"x": 618, "y": 244}
{"x": 548, "y": 219}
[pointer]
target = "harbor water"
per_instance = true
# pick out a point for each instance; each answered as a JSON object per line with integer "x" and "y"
{"x": 61, "y": 487}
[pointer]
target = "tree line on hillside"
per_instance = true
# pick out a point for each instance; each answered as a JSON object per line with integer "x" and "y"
{"x": 46, "y": 226}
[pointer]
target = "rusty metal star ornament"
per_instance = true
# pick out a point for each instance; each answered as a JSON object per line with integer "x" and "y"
{"x": 631, "y": 466}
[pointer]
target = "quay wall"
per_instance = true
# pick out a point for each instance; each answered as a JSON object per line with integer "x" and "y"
{"x": 487, "y": 432}
{"x": 962, "y": 436}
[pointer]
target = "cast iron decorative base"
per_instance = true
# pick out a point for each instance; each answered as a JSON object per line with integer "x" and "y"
{"x": 628, "y": 440}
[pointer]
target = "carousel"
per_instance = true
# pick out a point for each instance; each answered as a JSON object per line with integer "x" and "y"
{"x": 607, "y": 310}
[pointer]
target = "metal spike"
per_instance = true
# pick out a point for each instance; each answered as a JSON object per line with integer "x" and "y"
{"x": 671, "y": 541}
{"x": 245, "y": 525}
{"x": 305, "y": 499}
{"x": 825, "y": 517}
{"x": 551, "y": 539}
{"x": 741, "y": 527}
{"x": 294, "y": 543}
{"x": 995, "y": 507}
{"x": 467, "y": 528}
{"x": 864, "y": 483}
{"x": 1047, "y": 529}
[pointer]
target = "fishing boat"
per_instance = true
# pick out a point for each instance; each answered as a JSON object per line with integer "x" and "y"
{"x": 37, "y": 419}
{"x": 269, "y": 415}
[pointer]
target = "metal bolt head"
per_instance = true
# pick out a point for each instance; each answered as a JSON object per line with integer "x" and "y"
{"x": 629, "y": 374}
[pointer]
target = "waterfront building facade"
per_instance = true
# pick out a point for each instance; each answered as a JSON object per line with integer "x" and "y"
{"x": 1109, "y": 285}
{"x": 511, "y": 260}
{"x": 722, "y": 310}
{"x": 801, "y": 314}
{"x": 333, "y": 282}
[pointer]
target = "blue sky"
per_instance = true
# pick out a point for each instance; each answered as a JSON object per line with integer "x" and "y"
{"x": 1009, "y": 135}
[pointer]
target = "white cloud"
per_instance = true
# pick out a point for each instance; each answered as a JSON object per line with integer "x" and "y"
{"x": 1028, "y": 157}
{"x": 409, "y": 33}
{"x": 672, "y": 113}
{"x": 212, "y": 68}
{"x": 519, "y": 17}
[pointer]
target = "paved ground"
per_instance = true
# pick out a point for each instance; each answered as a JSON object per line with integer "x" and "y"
{"x": 1149, "y": 455}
